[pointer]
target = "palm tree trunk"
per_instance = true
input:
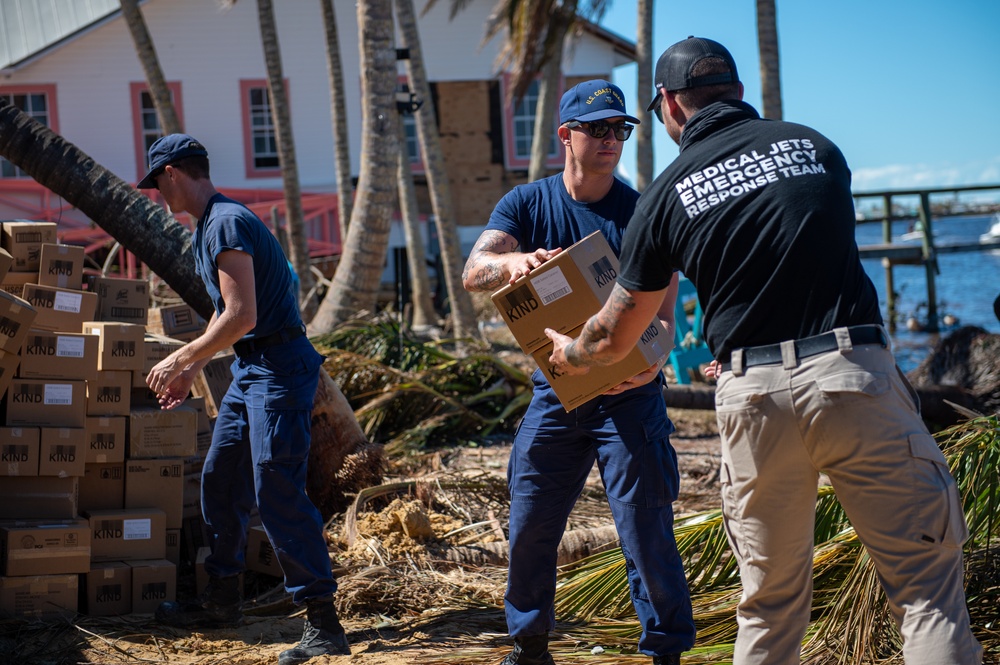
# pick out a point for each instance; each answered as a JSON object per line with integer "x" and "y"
{"x": 463, "y": 315}
{"x": 359, "y": 273}
{"x": 416, "y": 254}
{"x": 767, "y": 43}
{"x": 338, "y": 118}
{"x": 165, "y": 111}
{"x": 644, "y": 58}
{"x": 544, "y": 110}
{"x": 297, "y": 240}
{"x": 140, "y": 225}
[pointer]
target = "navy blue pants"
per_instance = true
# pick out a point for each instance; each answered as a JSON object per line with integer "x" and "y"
{"x": 554, "y": 451}
{"x": 259, "y": 452}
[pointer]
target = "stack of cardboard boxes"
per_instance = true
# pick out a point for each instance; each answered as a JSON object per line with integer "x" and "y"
{"x": 93, "y": 473}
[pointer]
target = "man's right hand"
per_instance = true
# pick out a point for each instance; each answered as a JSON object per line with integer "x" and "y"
{"x": 531, "y": 260}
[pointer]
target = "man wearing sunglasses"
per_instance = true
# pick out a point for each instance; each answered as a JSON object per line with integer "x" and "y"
{"x": 626, "y": 430}
{"x": 759, "y": 215}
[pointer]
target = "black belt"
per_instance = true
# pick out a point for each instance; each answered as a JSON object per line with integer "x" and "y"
{"x": 770, "y": 354}
{"x": 245, "y": 347}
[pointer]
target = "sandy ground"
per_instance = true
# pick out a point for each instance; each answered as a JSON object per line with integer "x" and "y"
{"x": 414, "y": 625}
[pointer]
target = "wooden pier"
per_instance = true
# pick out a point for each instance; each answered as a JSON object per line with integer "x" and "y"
{"x": 925, "y": 253}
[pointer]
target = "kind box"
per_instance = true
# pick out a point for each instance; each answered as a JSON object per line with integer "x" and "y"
{"x": 574, "y": 390}
{"x": 560, "y": 294}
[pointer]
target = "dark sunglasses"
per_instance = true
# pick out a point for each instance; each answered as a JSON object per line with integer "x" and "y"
{"x": 599, "y": 129}
{"x": 658, "y": 112}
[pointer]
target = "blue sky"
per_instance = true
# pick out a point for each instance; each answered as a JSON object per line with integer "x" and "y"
{"x": 910, "y": 91}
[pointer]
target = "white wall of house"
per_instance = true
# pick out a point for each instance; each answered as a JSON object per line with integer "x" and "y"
{"x": 210, "y": 50}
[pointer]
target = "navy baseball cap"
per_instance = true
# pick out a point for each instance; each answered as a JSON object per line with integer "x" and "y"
{"x": 593, "y": 100}
{"x": 673, "y": 69}
{"x": 167, "y": 150}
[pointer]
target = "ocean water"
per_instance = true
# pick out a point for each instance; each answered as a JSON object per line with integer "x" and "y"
{"x": 967, "y": 284}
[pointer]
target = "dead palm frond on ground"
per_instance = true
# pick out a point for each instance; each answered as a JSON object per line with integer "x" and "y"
{"x": 414, "y": 395}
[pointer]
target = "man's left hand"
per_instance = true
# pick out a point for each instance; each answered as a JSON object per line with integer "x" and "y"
{"x": 558, "y": 357}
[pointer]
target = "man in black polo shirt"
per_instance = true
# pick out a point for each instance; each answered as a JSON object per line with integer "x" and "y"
{"x": 759, "y": 215}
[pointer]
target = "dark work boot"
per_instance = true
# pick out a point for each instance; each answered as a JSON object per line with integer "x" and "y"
{"x": 669, "y": 659}
{"x": 219, "y": 605}
{"x": 322, "y": 635}
{"x": 529, "y": 650}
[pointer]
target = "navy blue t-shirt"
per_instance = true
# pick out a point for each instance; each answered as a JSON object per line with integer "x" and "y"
{"x": 542, "y": 215}
{"x": 229, "y": 225}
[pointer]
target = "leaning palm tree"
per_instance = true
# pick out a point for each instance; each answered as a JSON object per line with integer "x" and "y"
{"x": 463, "y": 315}
{"x": 358, "y": 277}
{"x": 284, "y": 143}
{"x": 162, "y": 101}
{"x": 140, "y": 225}
{"x": 338, "y": 119}
{"x": 767, "y": 43}
{"x": 340, "y": 454}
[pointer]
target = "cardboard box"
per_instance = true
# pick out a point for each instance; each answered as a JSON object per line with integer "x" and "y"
{"x": 123, "y": 300}
{"x": 120, "y": 345}
{"x": 153, "y": 582}
{"x": 155, "y": 432}
{"x": 174, "y": 546}
{"x": 156, "y": 483}
{"x": 213, "y": 381}
{"x": 105, "y": 439}
{"x": 61, "y": 265}
{"x": 6, "y": 263}
{"x": 204, "y": 422}
{"x": 62, "y": 451}
{"x": 39, "y": 596}
{"x": 46, "y": 354}
{"x": 560, "y": 294}
{"x": 44, "y": 547}
{"x": 60, "y": 309}
{"x": 574, "y": 390}
{"x": 260, "y": 555}
{"x": 46, "y": 402}
{"x": 154, "y": 349}
{"x": 23, "y": 239}
{"x": 27, "y": 497}
{"x": 16, "y": 317}
{"x": 109, "y": 393}
{"x": 102, "y": 487}
{"x": 109, "y": 589}
{"x": 9, "y": 362}
{"x": 19, "y": 451}
{"x": 13, "y": 282}
{"x": 127, "y": 534}
{"x": 176, "y": 321}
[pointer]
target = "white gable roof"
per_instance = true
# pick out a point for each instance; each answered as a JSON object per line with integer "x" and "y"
{"x": 29, "y": 27}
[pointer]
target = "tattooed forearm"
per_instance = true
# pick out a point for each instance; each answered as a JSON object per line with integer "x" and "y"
{"x": 485, "y": 271}
{"x": 489, "y": 277}
{"x": 593, "y": 340}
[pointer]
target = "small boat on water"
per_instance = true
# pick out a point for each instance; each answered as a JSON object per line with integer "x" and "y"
{"x": 994, "y": 231}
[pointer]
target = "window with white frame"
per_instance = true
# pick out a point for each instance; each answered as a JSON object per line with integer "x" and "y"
{"x": 37, "y": 105}
{"x": 520, "y": 129}
{"x": 147, "y": 123}
{"x": 260, "y": 134}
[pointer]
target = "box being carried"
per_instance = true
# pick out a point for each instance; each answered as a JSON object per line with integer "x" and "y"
{"x": 560, "y": 294}
{"x": 574, "y": 390}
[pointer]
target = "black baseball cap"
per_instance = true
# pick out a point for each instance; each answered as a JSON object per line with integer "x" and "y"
{"x": 673, "y": 69}
{"x": 165, "y": 151}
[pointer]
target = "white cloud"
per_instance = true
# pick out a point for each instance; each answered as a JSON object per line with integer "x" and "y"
{"x": 916, "y": 176}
